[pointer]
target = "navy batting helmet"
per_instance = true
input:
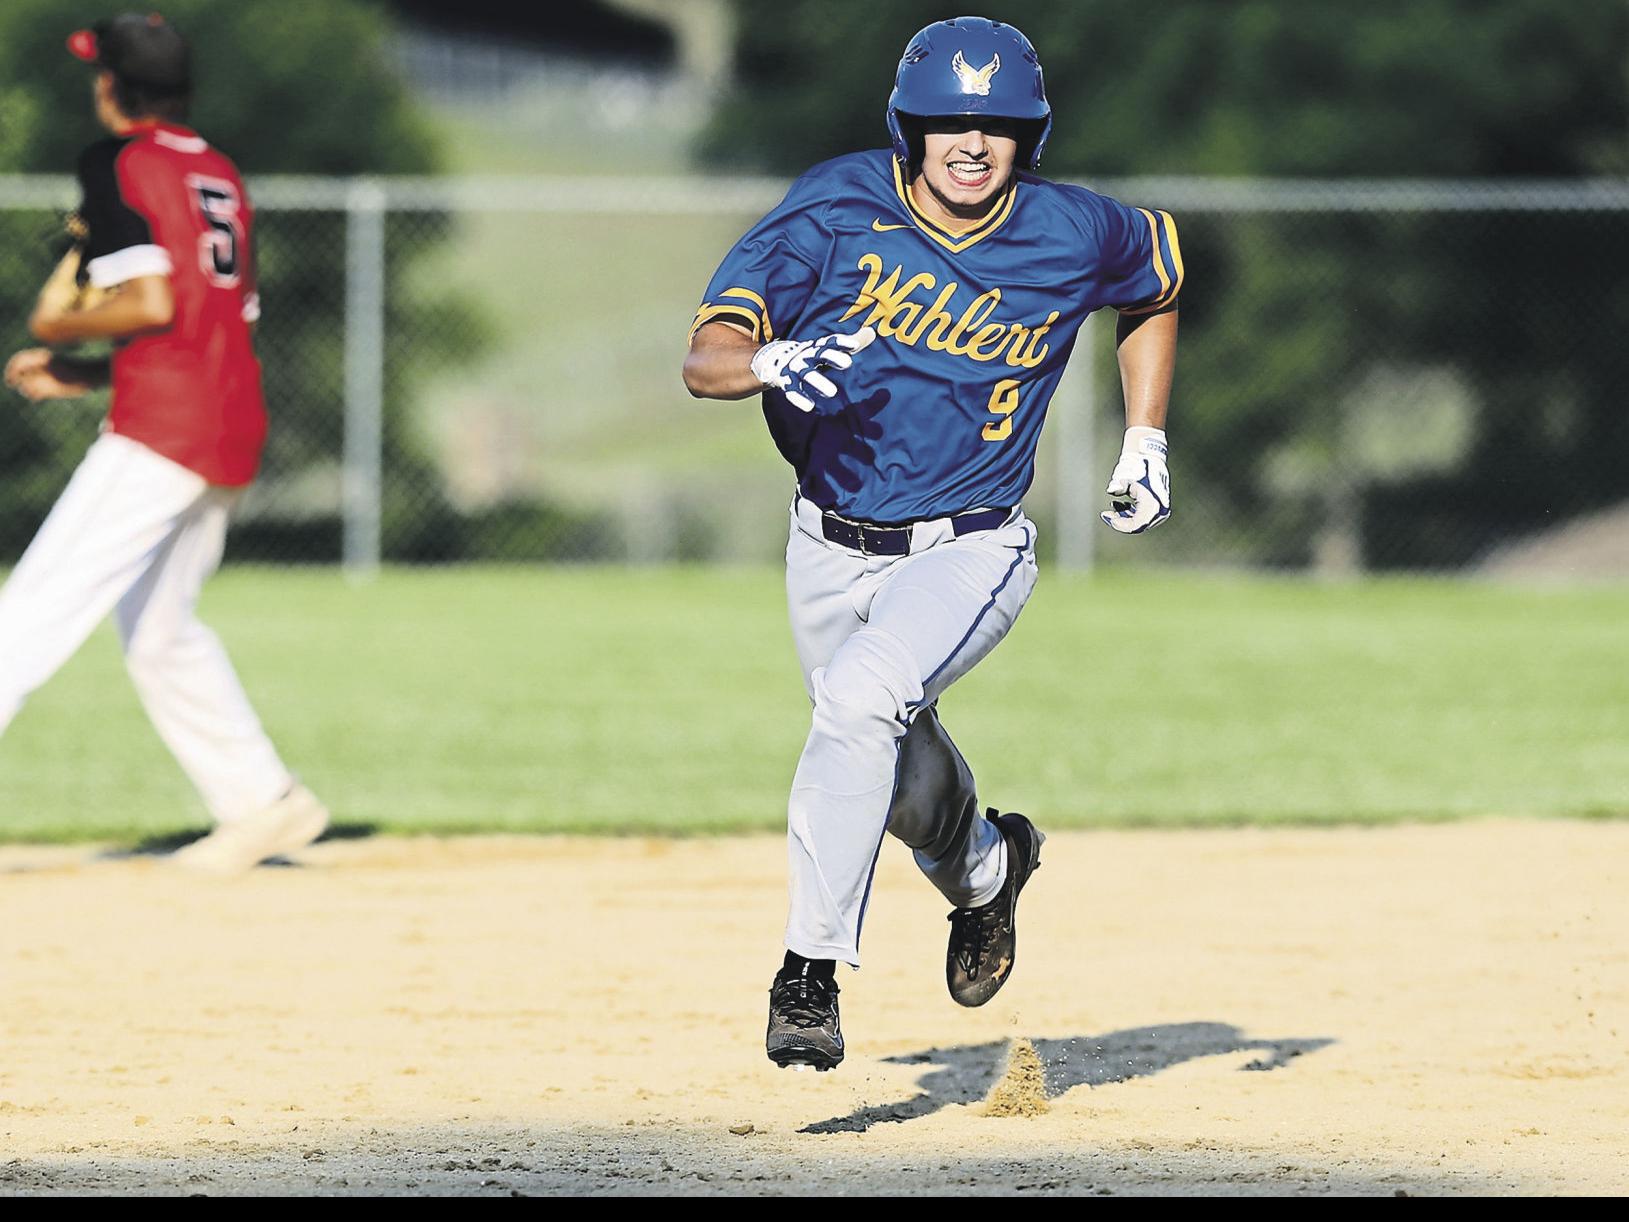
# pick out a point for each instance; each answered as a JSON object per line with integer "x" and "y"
{"x": 969, "y": 66}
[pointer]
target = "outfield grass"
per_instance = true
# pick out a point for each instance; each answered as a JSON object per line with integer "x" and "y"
{"x": 662, "y": 700}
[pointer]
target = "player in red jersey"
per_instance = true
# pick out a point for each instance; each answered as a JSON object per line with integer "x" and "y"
{"x": 141, "y": 526}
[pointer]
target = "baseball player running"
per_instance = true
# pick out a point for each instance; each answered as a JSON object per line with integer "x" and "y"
{"x": 906, "y": 316}
{"x": 168, "y": 250}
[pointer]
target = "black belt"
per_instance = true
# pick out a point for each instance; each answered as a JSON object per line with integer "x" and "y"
{"x": 896, "y": 540}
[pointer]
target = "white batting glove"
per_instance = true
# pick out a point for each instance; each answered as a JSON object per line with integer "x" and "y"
{"x": 797, "y": 368}
{"x": 1140, "y": 488}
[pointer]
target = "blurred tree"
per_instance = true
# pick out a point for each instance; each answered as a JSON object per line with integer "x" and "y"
{"x": 1390, "y": 88}
{"x": 297, "y": 87}
{"x": 1288, "y": 320}
{"x": 283, "y": 86}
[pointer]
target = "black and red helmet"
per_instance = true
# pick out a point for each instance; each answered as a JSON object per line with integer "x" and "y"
{"x": 141, "y": 49}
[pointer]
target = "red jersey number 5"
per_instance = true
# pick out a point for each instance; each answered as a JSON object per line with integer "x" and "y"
{"x": 220, "y": 246}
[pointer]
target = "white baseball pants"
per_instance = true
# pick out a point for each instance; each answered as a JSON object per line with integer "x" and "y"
{"x": 137, "y": 535}
{"x": 880, "y": 638}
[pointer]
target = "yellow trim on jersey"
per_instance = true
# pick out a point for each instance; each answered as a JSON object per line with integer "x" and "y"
{"x": 953, "y": 240}
{"x": 1159, "y": 263}
{"x": 1176, "y": 250}
{"x": 727, "y": 313}
{"x": 1170, "y": 284}
{"x": 763, "y": 307}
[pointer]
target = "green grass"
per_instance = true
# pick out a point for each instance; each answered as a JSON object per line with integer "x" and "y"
{"x": 669, "y": 700}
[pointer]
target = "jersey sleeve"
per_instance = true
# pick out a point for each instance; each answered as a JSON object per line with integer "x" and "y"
{"x": 767, "y": 279}
{"x": 119, "y": 245}
{"x": 1141, "y": 263}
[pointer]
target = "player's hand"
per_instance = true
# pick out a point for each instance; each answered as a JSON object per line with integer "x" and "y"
{"x": 798, "y": 368}
{"x": 60, "y": 293}
{"x": 1140, "y": 488}
{"x": 34, "y": 374}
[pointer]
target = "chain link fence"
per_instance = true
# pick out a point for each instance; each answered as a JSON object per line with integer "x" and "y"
{"x": 1420, "y": 376}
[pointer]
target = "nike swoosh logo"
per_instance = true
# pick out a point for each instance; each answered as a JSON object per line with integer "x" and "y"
{"x": 881, "y": 228}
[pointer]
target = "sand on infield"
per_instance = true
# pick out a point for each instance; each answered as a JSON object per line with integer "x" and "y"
{"x": 1418, "y": 1009}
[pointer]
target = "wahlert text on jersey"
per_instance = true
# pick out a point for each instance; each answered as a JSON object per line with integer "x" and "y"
{"x": 896, "y": 316}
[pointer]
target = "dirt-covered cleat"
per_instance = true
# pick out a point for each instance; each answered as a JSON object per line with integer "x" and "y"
{"x": 804, "y": 1031}
{"x": 287, "y": 825}
{"x": 984, "y": 940}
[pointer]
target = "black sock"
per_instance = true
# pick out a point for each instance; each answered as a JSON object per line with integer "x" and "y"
{"x": 825, "y": 969}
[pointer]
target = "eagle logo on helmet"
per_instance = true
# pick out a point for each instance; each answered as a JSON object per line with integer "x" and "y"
{"x": 974, "y": 80}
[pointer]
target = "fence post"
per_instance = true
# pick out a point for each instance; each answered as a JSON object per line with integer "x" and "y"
{"x": 364, "y": 375}
{"x": 1074, "y": 422}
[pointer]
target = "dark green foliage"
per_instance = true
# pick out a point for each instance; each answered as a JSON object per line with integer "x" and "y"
{"x": 1412, "y": 88}
{"x": 291, "y": 88}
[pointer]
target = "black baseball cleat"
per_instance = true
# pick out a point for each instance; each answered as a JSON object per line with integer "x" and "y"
{"x": 984, "y": 940}
{"x": 803, "y": 1025}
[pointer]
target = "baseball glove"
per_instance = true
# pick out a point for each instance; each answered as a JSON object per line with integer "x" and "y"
{"x": 68, "y": 288}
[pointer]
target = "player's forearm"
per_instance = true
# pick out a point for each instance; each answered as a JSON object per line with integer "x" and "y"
{"x": 1146, "y": 345}
{"x": 145, "y": 303}
{"x": 719, "y": 364}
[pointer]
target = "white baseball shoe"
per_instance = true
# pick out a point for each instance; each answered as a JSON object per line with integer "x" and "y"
{"x": 286, "y": 826}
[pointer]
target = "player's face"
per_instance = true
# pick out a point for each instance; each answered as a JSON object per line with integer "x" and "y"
{"x": 967, "y": 161}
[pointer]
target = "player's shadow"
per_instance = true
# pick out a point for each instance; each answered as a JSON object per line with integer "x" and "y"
{"x": 967, "y": 1073}
{"x": 855, "y": 442}
{"x": 163, "y": 846}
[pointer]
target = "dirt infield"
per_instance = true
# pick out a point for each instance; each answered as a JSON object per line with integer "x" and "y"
{"x": 1409, "y": 1010}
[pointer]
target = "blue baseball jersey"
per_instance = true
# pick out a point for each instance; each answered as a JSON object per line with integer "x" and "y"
{"x": 943, "y": 413}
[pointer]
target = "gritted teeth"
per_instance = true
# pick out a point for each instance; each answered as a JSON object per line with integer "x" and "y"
{"x": 969, "y": 173}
